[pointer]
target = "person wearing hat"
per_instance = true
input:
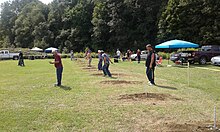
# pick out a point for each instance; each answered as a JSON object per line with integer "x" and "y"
{"x": 100, "y": 60}
{"x": 150, "y": 64}
{"x": 105, "y": 67}
{"x": 59, "y": 67}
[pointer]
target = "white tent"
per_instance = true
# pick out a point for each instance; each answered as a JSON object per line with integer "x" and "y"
{"x": 36, "y": 49}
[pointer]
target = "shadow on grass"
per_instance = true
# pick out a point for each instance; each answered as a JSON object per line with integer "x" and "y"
{"x": 166, "y": 87}
{"x": 113, "y": 78}
{"x": 65, "y": 87}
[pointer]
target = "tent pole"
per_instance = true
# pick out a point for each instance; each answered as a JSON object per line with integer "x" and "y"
{"x": 169, "y": 56}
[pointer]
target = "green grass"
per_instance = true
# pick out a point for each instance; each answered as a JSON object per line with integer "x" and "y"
{"x": 29, "y": 102}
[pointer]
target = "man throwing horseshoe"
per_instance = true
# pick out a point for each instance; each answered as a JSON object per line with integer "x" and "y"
{"x": 59, "y": 67}
{"x": 150, "y": 64}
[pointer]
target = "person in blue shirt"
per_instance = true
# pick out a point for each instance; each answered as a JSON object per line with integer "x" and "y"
{"x": 105, "y": 67}
{"x": 100, "y": 60}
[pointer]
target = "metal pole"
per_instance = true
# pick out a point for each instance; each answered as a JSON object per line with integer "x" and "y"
{"x": 188, "y": 74}
{"x": 214, "y": 118}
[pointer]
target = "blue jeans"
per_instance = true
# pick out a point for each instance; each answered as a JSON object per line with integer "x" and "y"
{"x": 139, "y": 58}
{"x": 59, "y": 72}
{"x": 150, "y": 75}
{"x": 100, "y": 65}
{"x": 106, "y": 71}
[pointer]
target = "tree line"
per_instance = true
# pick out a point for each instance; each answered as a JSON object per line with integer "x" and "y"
{"x": 107, "y": 24}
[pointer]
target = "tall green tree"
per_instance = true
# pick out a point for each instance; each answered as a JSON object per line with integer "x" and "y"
{"x": 195, "y": 21}
{"x": 101, "y": 29}
{"x": 79, "y": 20}
{"x": 29, "y": 18}
{"x": 9, "y": 14}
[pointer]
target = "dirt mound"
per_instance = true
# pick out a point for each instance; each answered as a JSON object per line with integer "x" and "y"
{"x": 88, "y": 68}
{"x": 142, "y": 96}
{"x": 116, "y": 82}
{"x": 191, "y": 127}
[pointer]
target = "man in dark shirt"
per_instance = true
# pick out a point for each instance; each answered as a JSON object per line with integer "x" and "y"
{"x": 20, "y": 59}
{"x": 139, "y": 55}
{"x": 59, "y": 67}
{"x": 100, "y": 60}
{"x": 150, "y": 64}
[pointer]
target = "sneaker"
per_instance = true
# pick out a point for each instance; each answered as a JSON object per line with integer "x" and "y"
{"x": 152, "y": 84}
{"x": 57, "y": 85}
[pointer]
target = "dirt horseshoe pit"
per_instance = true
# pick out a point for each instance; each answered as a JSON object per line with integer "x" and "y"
{"x": 148, "y": 97}
{"x": 113, "y": 74}
{"x": 120, "y": 82}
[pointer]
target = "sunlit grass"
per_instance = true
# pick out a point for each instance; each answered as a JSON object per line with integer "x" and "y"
{"x": 30, "y": 102}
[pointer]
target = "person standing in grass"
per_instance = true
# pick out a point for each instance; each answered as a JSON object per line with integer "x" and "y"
{"x": 20, "y": 59}
{"x": 100, "y": 60}
{"x": 150, "y": 64}
{"x": 59, "y": 67}
{"x": 89, "y": 57}
{"x": 105, "y": 68}
{"x": 139, "y": 55}
{"x": 118, "y": 53}
{"x": 129, "y": 55}
{"x": 71, "y": 55}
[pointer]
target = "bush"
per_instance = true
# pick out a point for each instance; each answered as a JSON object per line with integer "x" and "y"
{"x": 65, "y": 56}
{"x": 79, "y": 55}
{"x": 49, "y": 56}
{"x": 187, "y": 49}
{"x": 82, "y": 55}
{"x": 164, "y": 55}
{"x": 94, "y": 55}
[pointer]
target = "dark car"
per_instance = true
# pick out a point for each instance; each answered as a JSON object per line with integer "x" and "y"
{"x": 206, "y": 53}
{"x": 183, "y": 56}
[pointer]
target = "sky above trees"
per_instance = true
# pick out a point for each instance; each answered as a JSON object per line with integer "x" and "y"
{"x": 44, "y": 1}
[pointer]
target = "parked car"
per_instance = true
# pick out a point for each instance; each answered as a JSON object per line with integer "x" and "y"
{"x": 206, "y": 53}
{"x": 216, "y": 60}
{"x": 184, "y": 56}
{"x": 202, "y": 56}
{"x": 5, "y": 54}
{"x": 143, "y": 55}
{"x": 175, "y": 56}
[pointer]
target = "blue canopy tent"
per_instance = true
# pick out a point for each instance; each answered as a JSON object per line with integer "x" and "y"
{"x": 176, "y": 44}
{"x": 49, "y": 50}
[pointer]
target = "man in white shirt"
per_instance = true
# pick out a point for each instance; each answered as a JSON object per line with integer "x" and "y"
{"x": 118, "y": 53}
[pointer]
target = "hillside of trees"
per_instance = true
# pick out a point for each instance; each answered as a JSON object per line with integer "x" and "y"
{"x": 108, "y": 24}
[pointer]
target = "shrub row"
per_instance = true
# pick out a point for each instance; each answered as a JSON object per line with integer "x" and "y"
{"x": 164, "y": 55}
{"x": 50, "y": 56}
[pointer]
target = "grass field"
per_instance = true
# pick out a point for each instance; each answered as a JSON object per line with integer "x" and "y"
{"x": 90, "y": 102}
